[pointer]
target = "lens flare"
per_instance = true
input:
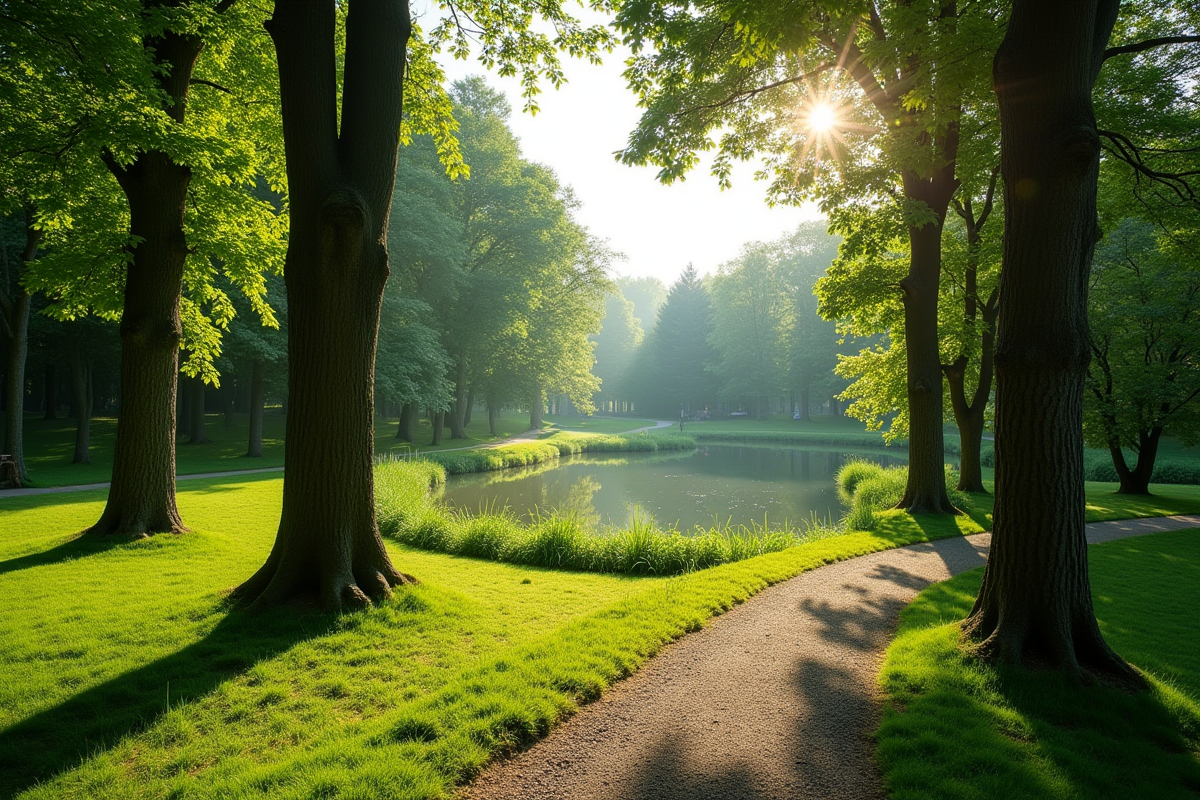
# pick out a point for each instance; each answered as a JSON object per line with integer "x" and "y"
{"x": 821, "y": 118}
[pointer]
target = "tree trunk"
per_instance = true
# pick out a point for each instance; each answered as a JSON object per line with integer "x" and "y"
{"x": 969, "y": 418}
{"x": 493, "y": 418}
{"x": 1137, "y": 480}
{"x": 81, "y": 388}
{"x": 340, "y": 189}
{"x": 50, "y": 390}
{"x": 804, "y": 399}
{"x": 406, "y": 430}
{"x": 926, "y": 489}
{"x": 439, "y": 422}
{"x": 199, "y": 433}
{"x": 141, "y": 498}
{"x": 1035, "y": 605}
{"x": 467, "y": 410}
{"x": 458, "y": 415}
{"x": 535, "y": 409}
{"x": 16, "y": 304}
{"x": 258, "y": 399}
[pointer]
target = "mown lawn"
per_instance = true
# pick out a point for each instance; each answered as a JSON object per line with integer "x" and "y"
{"x": 50, "y": 444}
{"x": 956, "y": 728}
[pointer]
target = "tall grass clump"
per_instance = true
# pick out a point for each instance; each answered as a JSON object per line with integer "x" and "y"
{"x": 865, "y": 488}
{"x": 409, "y": 513}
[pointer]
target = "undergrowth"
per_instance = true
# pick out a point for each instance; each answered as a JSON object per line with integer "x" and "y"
{"x": 866, "y": 488}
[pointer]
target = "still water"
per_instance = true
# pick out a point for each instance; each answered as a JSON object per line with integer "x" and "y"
{"x": 735, "y": 483}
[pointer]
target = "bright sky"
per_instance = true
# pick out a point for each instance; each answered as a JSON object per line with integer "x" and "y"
{"x": 658, "y": 228}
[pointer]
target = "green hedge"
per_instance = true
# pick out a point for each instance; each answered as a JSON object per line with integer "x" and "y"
{"x": 1098, "y": 466}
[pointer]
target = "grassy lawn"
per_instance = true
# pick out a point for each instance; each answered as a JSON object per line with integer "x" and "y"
{"x": 127, "y": 676}
{"x": 956, "y": 728}
{"x": 49, "y": 445}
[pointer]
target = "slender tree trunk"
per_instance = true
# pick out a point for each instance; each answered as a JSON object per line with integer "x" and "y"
{"x": 199, "y": 432}
{"x": 467, "y": 411}
{"x": 535, "y": 409}
{"x": 1035, "y": 605}
{"x": 340, "y": 189}
{"x": 458, "y": 416}
{"x": 439, "y": 422}
{"x": 804, "y": 401}
{"x": 50, "y": 390}
{"x": 16, "y": 305}
{"x": 141, "y": 498}
{"x": 81, "y": 388}
{"x": 493, "y": 410}
{"x": 258, "y": 399}
{"x": 926, "y": 489}
{"x": 1137, "y": 480}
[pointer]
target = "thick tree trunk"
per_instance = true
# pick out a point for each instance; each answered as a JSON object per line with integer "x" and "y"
{"x": 535, "y": 409}
{"x": 141, "y": 498}
{"x": 493, "y": 410}
{"x": 1035, "y": 605}
{"x": 1137, "y": 480}
{"x": 198, "y": 430}
{"x": 81, "y": 388}
{"x": 926, "y": 489}
{"x": 407, "y": 429}
{"x": 50, "y": 390}
{"x": 458, "y": 415}
{"x": 258, "y": 398}
{"x": 340, "y": 188}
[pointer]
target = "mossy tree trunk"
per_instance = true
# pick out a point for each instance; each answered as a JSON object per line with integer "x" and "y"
{"x": 1035, "y": 606}
{"x": 340, "y": 186}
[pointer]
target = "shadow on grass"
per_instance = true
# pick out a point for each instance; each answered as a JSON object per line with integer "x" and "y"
{"x": 57, "y": 739}
{"x": 81, "y": 546}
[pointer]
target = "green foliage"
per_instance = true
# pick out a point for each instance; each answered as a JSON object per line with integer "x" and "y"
{"x": 957, "y": 728}
{"x": 867, "y": 488}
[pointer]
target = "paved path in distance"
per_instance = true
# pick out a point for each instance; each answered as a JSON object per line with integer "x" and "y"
{"x": 775, "y": 699}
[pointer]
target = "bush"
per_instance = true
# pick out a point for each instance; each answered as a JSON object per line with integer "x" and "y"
{"x": 865, "y": 488}
{"x": 1098, "y": 466}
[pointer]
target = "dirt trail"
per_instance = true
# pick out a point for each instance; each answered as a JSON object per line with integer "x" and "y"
{"x": 775, "y": 699}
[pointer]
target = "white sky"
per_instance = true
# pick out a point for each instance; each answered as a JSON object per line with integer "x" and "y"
{"x": 659, "y": 228}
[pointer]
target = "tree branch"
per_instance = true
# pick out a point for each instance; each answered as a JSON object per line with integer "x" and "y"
{"x": 1148, "y": 44}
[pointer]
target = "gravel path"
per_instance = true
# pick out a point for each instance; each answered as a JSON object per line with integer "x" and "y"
{"x": 775, "y": 699}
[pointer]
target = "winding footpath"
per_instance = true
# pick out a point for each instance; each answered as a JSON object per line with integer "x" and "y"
{"x": 775, "y": 699}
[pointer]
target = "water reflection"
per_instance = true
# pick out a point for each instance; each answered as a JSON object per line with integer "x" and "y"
{"x": 738, "y": 484}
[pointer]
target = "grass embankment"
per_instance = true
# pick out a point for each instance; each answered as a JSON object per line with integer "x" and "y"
{"x": 959, "y": 729}
{"x": 127, "y": 676}
{"x": 822, "y": 431}
{"x": 552, "y": 446}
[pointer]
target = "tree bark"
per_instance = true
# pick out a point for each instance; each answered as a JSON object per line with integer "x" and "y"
{"x": 340, "y": 189}
{"x": 258, "y": 398}
{"x": 925, "y": 492}
{"x": 493, "y": 418}
{"x": 467, "y": 410}
{"x": 406, "y": 430}
{"x": 81, "y": 387}
{"x": 1035, "y": 606}
{"x": 16, "y": 304}
{"x": 1137, "y": 480}
{"x": 50, "y": 390}
{"x": 141, "y": 498}
{"x": 535, "y": 409}
{"x": 439, "y": 422}
{"x": 198, "y": 430}
{"x": 458, "y": 413}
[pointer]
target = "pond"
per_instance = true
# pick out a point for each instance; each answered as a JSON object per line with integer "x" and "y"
{"x": 739, "y": 484}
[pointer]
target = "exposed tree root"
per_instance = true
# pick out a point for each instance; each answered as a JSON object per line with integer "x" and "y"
{"x": 137, "y": 526}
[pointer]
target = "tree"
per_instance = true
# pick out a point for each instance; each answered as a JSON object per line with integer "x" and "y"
{"x": 619, "y": 338}
{"x": 897, "y": 77}
{"x": 647, "y": 296}
{"x": 1143, "y": 303}
{"x": 1035, "y": 602}
{"x": 256, "y": 349}
{"x": 15, "y": 304}
{"x": 341, "y": 172}
{"x": 679, "y": 352}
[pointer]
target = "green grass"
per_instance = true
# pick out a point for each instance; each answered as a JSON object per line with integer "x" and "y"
{"x": 959, "y": 729}
{"x": 551, "y": 446}
{"x": 405, "y": 700}
{"x": 50, "y": 444}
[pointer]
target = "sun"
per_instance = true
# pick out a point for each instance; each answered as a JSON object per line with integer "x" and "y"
{"x": 821, "y": 117}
